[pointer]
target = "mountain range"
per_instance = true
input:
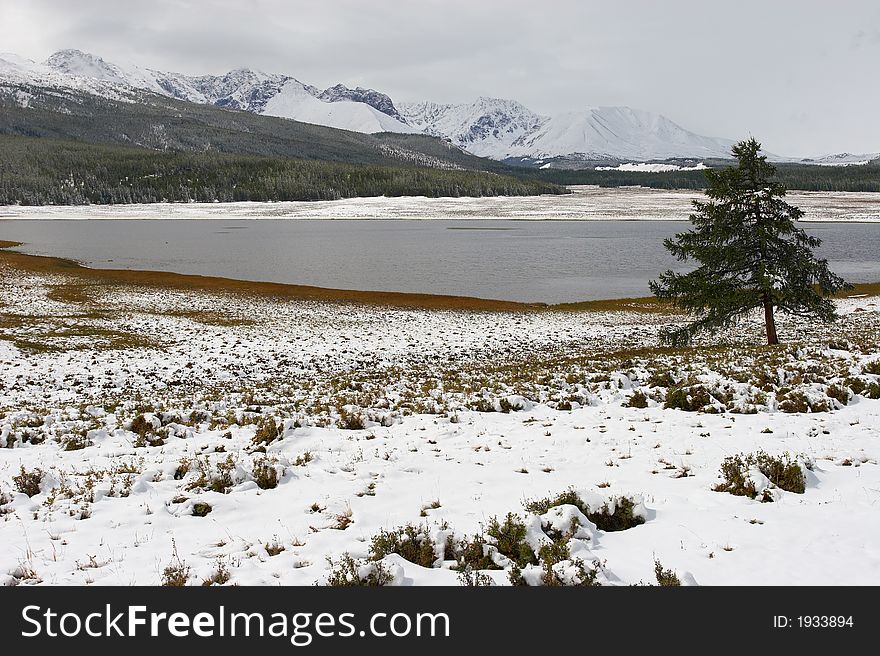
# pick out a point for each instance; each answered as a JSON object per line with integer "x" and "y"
{"x": 494, "y": 128}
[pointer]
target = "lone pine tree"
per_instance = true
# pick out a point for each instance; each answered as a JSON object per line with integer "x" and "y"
{"x": 750, "y": 252}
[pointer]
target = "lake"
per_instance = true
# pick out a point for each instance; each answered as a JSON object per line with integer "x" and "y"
{"x": 532, "y": 261}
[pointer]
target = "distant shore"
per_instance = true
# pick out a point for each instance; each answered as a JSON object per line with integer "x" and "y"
{"x": 586, "y": 203}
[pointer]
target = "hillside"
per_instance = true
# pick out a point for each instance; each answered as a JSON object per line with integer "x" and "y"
{"x": 54, "y": 172}
{"x": 151, "y": 121}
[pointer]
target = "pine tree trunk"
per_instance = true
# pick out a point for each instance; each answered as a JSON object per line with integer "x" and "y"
{"x": 769, "y": 321}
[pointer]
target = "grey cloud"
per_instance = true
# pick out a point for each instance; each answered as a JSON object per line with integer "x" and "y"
{"x": 720, "y": 69}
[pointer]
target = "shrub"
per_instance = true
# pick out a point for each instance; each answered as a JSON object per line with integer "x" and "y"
{"x": 274, "y": 548}
{"x": 794, "y": 402}
{"x": 266, "y": 433}
{"x": 622, "y": 518}
{"x": 220, "y": 480}
{"x": 470, "y": 553}
{"x": 76, "y": 442}
{"x": 350, "y": 572}
{"x": 661, "y": 379}
{"x": 182, "y": 468}
{"x": 857, "y": 385}
{"x": 638, "y": 400}
{"x": 176, "y": 574}
{"x": 665, "y": 577}
{"x": 350, "y": 420}
{"x": 200, "y": 508}
{"x": 146, "y": 434}
{"x": 343, "y": 520}
{"x": 264, "y": 473}
{"x": 507, "y": 406}
{"x": 412, "y": 543}
{"x": 218, "y": 577}
{"x": 28, "y": 482}
{"x": 471, "y": 578}
{"x": 872, "y": 367}
{"x": 689, "y": 399}
{"x": 577, "y": 574}
{"x": 838, "y": 392}
{"x": 782, "y": 472}
{"x": 510, "y": 539}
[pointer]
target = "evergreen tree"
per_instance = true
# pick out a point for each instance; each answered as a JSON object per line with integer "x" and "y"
{"x": 750, "y": 252}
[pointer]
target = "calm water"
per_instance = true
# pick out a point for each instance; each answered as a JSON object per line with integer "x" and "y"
{"x": 513, "y": 260}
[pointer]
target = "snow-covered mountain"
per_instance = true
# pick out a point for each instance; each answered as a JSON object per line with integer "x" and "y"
{"x": 488, "y": 127}
{"x": 253, "y": 91}
{"x": 842, "y": 159}
{"x": 371, "y": 97}
{"x": 504, "y": 129}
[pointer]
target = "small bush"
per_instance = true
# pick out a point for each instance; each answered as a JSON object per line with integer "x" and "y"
{"x": 782, "y": 471}
{"x": 795, "y": 402}
{"x": 347, "y": 573}
{"x": 661, "y": 379}
{"x": 471, "y": 578}
{"x": 412, "y": 543}
{"x": 28, "y": 482}
{"x": 182, "y": 468}
{"x": 470, "y": 553}
{"x": 689, "y": 399}
{"x": 218, "y": 577}
{"x": 510, "y": 539}
{"x": 76, "y": 443}
{"x": 146, "y": 434}
{"x": 857, "y": 385}
{"x": 343, "y": 520}
{"x": 350, "y": 420}
{"x": 638, "y": 400}
{"x": 838, "y": 392}
{"x": 621, "y": 519}
{"x": 665, "y": 577}
{"x": 266, "y": 433}
{"x": 264, "y": 473}
{"x": 872, "y": 367}
{"x": 200, "y": 508}
{"x": 176, "y": 574}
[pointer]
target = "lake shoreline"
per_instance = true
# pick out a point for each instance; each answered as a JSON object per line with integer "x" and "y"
{"x": 43, "y": 264}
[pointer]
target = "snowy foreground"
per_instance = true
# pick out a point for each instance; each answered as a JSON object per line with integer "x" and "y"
{"x": 246, "y": 441}
{"x": 585, "y": 203}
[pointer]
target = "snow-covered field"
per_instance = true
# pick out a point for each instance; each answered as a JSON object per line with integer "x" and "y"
{"x": 164, "y": 433}
{"x": 585, "y": 203}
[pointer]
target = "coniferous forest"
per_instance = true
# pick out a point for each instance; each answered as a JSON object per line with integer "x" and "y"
{"x": 40, "y": 171}
{"x": 803, "y": 177}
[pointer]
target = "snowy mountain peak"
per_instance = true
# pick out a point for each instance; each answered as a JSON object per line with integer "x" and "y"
{"x": 488, "y": 127}
{"x": 501, "y": 129}
{"x": 491, "y": 127}
{"x": 371, "y": 97}
{"x": 83, "y": 64}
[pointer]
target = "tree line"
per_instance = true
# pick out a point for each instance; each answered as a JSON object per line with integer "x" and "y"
{"x": 802, "y": 177}
{"x": 39, "y": 171}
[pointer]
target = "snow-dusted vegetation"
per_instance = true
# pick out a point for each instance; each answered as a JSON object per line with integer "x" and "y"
{"x": 153, "y": 435}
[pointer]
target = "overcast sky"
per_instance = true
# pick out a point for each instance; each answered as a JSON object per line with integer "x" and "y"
{"x": 801, "y": 75}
